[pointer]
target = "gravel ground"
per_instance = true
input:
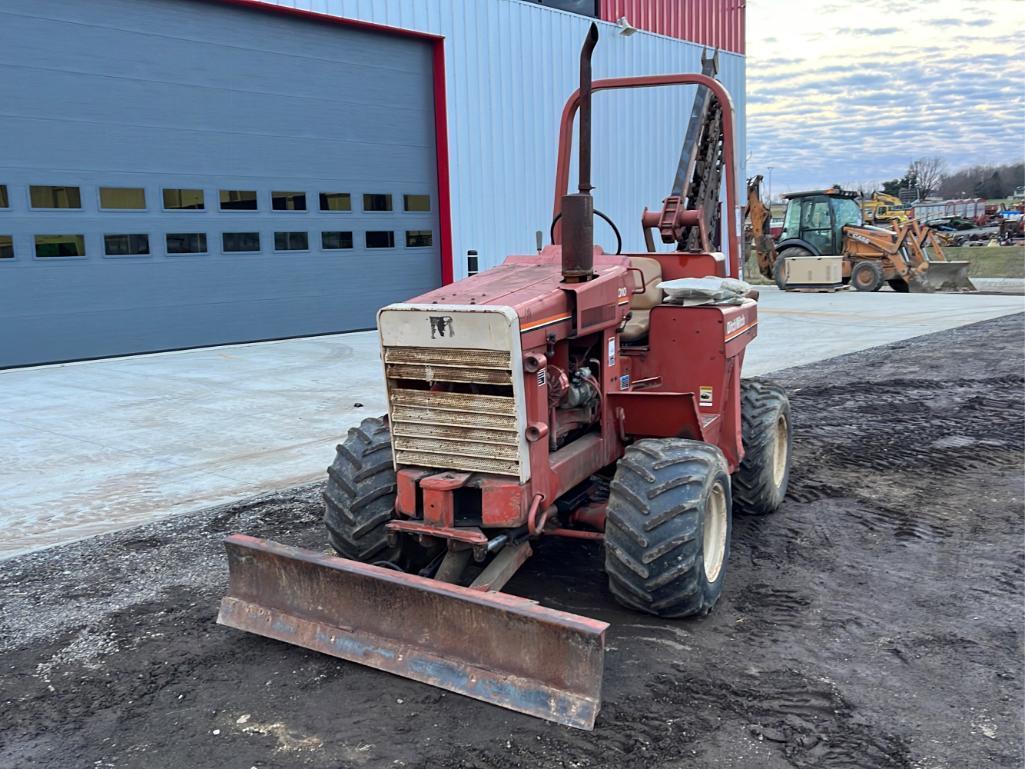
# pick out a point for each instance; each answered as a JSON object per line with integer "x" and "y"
{"x": 874, "y": 621}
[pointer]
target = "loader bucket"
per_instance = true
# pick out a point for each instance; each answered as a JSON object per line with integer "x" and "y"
{"x": 494, "y": 647}
{"x": 942, "y": 276}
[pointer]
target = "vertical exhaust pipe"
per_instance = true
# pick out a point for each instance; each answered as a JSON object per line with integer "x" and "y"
{"x": 578, "y": 208}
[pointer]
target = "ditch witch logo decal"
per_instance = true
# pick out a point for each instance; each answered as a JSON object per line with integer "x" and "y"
{"x": 739, "y": 322}
{"x": 441, "y": 326}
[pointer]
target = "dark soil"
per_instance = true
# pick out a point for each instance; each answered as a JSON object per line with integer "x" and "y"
{"x": 875, "y": 621}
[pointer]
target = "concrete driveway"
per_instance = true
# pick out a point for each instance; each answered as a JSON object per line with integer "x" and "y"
{"x": 102, "y": 445}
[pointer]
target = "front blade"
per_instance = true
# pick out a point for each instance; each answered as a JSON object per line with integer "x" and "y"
{"x": 942, "y": 276}
{"x": 494, "y": 647}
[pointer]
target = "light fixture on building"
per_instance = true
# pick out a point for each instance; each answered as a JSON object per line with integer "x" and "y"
{"x": 625, "y": 27}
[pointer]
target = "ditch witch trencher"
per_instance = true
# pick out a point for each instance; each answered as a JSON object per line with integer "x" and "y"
{"x": 555, "y": 395}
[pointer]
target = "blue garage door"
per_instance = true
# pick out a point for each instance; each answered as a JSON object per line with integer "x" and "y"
{"x": 179, "y": 173}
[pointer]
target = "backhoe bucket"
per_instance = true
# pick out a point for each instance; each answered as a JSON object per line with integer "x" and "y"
{"x": 942, "y": 276}
{"x": 494, "y": 647}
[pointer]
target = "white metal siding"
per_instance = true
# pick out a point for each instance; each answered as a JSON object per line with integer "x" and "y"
{"x": 509, "y": 67}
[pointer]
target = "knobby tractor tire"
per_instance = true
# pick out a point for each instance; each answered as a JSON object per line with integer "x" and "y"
{"x": 779, "y": 271}
{"x": 899, "y": 285}
{"x": 667, "y": 533}
{"x": 360, "y": 495}
{"x": 867, "y": 276}
{"x": 760, "y": 483}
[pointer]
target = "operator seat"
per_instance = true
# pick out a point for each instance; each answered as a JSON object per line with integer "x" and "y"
{"x": 640, "y": 304}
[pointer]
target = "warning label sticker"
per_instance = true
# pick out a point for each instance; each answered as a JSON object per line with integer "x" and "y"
{"x": 705, "y": 395}
{"x": 541, "y": 377}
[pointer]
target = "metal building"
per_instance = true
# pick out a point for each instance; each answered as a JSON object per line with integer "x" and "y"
{"x": 182, "y": 173}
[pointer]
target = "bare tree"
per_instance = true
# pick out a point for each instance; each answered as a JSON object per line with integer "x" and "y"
{"x": 927, "y": 173}
{"x": 984, "y": 181}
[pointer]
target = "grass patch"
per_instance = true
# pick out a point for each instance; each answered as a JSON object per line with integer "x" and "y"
{"x": 990, "y": 262}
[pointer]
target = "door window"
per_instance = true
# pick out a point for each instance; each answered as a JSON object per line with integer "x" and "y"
{"x": 792, "y": 220}
{"x": 816, "y": 225}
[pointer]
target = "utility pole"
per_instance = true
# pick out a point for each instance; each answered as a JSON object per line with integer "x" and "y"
{"x": 770, "y": 188}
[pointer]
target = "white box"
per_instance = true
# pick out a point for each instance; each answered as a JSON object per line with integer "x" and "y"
{"x": 822, "y": 272}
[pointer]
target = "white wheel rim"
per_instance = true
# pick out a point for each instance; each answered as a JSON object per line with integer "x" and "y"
{"x": 714, "y": 545}
{"x": 779, "y": 451}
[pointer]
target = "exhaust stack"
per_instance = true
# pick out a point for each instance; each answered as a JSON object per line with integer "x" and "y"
{"x": 578, "y": 208}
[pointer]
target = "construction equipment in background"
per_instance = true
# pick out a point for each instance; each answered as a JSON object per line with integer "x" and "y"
{"x": 560, "y": 394}
{"x": 884, "y": 209}
{"x": 908, "y": 256}
{"x": 822, "y": 273}
{"x": 1012, "y": 226}
{"x": 759, "y": 218}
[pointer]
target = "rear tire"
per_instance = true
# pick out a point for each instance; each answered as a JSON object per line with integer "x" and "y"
{"x": 360, "y": 495}
{"x": 778, "y": 271}
{"x": 866, "y": 276}
{"x": 668, "y": 525}
{"x": 899, "y": 285}
{"x": 760, "y": 482}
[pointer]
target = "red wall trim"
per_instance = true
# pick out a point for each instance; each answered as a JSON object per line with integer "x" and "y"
{"x": 440, "y": 113}
{"x": 715, "y": 23}
{"x": 441, "y": 145}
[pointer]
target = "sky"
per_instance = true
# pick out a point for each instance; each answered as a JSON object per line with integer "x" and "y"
{"x": 850, "y": 91}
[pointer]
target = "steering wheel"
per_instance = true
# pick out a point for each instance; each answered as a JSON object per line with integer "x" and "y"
{"x": 612, "y": 224}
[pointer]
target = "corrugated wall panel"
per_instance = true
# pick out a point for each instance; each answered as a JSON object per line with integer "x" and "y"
{"x": 509, "y": 67}
{"x": 716, "y": 23}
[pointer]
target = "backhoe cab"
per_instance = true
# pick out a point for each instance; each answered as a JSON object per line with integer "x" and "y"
{"x": 814, "y": 221}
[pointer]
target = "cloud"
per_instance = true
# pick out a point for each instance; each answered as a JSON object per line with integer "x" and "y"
{"x": 831, "y": 97}
{"x": 959, "y": 22}
{"x": 869, "y": 31}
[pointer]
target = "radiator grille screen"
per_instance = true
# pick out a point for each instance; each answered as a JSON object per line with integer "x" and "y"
{"x": 453, "y": 409}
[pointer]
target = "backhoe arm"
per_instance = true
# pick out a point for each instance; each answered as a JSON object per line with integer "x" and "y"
{"x": 760, "y": 217}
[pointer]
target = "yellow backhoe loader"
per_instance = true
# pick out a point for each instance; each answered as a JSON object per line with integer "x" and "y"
{"x": 906, "y": 255}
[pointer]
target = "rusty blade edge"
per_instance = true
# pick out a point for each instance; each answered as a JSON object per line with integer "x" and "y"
{"x": 240, "y": 543}
{"x": 523, "y": 695}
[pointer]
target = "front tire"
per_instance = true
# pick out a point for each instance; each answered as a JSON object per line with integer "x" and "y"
{"x": 899, "y": 285}
{"x": 360, "y": 495}
{"x": 760, "y": 482}
{"x": 779, "y": 270}
{"x": 668, "y": 525}
{"x": 867, "y": 276}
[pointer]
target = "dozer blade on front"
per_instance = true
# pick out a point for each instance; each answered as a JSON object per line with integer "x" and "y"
{"x": 942, "y": 276}
{"x": 494, "y": 647}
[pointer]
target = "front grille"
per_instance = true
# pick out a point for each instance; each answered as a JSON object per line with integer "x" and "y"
{"x": 446, "y": 427}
